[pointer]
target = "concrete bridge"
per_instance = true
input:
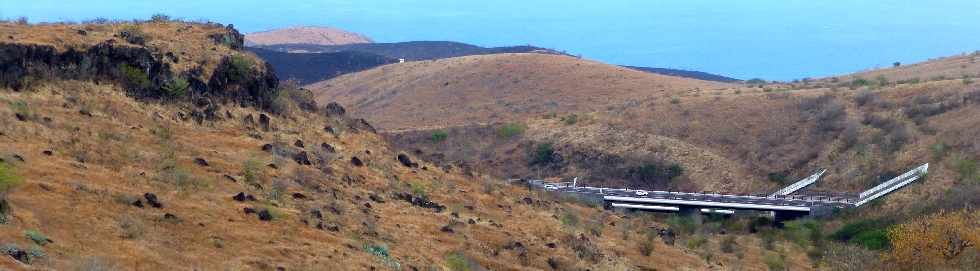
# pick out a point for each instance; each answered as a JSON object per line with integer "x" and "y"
{"x": 783, "y": 203}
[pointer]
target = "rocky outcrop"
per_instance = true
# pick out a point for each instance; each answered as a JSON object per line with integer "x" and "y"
{"x": 144, "y": 71}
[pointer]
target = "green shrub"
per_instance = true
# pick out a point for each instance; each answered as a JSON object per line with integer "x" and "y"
{"x": 774, "y": 261}
{"x": 859, "y": 82}
{"x": 876, "y": 239}
{"x": 569, "y": 219}
{"x": 696, "y": 242}
{"x": 21, "y": 107}
{"x": 239, "y": 68}
{"x": 675, "y": 100}
{"x": 160, "y": 18}
{"x": 134, "y": 77}
{"x": 177, "y": 87}
{"x": 728, "y": 244}
{"x": 803, "y": 232}
{"x": 543, "y": 154}
{"x": 869, "y": 233}
{"x": 8, "y": 178}
{"x": 457, "y": 261}
{"x": 250, "y": 170}
{"x": 382, "y": 254}
{"x": 439, "y": 136}
{"x": 419, "y": 190}
{"x": 967, "y": 169}
{"x": 646, "y": 247}
{"x": 510, "y": 130}
{"x": 570, "y": 119}
{"x": 37, "y": 237}
{"x": 682, "y": 224}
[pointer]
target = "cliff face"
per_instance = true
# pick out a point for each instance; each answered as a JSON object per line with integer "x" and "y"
{"x": 154, "y": 69}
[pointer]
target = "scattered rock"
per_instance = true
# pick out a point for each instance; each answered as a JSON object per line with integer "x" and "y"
{"x": 267, "y": 147}
{"x": 171, "y": 218}
{"x": 241, "y": 196}
{"x": 447, "y": 229}
{"x": 299, "y": 196}
{"x": 47, "y": 152}
{"x": 331, "y": 130}
{"x": 264, "y": 122}
{"x": 265, "y": 215}
{"x": 299, "y": 144}
{"x": 327, "y": 148}
{"x": 201, "y": 162}
{"x": 230, "y": 178}
{"x": 528, "y": 200}
{"x": 420, "y": 202}
{"x": 470, "y": 221}
{"x": 153, "y": 200}
{"x": 407, "y": 161}
{"x": 82, "y": 32}
{"x": 356, "y": 161}
{"x": 328, "y": 227}
{"x": 316, "y": 213}
{"x": 367, "y": 205}
{"x": 18, "y": 254}
{"x": 376, "y": 198}
{"x": 85, "y": 112}
{"x": 18, "y": 157}
{"x": 551, "y": 245}
{"x": 136, "y": 202}
{"x": 248, "y": 120}
{"x": 333, "y": 109}
{"x": 272, "y": 166}
{"x": 249, "y": 210}
{"x": 362, "y": 125}
{"x": 20, "y": 117}
{"x": 302, "y": 158}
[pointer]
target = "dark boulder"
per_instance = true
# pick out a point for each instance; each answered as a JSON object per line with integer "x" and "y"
{"x": 331, "y": 130}
{"x": 299, "y": 144}
{"x": 136, "y": 202}
{"x": 328, "y": 148}
{"x": 20, "y": 117}
{"x": 241, "y": 196}
{"x": 201, "y": 162}
{"x": 265, "y": 215}
{"x": 248, "y": 120}
{"x": 407, "y": 161}
{"x": 18, "y": 254}
{"x": 47, "y": 152}
{"x": 333, "y": 110}
{"x": 356, "y": 161}
{"x": 153, "y": 200}
{"x": 299, "y": 196}
{"x": 302, "y": 158}
{"x": 528, "y": 200}
{"x": 264, "y": 122}
{"x": 376, "y": 198}
{"x": 230, "y": 178}
{"x": 267, "y": 147}
{"x": 361, "y": 125}
{"x": 249, "y": 210}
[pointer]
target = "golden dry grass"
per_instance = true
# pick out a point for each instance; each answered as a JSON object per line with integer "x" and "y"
{"x": 493, "y": 88}
{"x": 306, "y": 35}
{"x": 124, "y": 147}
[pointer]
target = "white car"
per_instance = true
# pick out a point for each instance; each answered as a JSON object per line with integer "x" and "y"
{"x": 550, "y": 187}
{"x": 641, "y": 193}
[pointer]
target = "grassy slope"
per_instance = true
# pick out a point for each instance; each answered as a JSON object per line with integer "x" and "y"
{"x": 489, "y": 88}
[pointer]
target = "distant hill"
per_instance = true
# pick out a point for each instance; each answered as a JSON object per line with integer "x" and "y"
{"x": 310, "y": 68}
{"x": 687, "y": 74}
{"x": 497, "y": 87}
{"x": 305, "y": 35}
{"x": 412, "y": 50}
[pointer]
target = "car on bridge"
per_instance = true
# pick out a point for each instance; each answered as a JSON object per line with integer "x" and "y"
{"x": 641, "y": 193}
{"x": 550, "y": 187}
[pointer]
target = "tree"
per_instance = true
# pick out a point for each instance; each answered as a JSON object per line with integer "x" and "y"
{"x": 935, "y": 240}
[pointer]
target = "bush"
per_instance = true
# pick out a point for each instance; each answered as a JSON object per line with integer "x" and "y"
{"x": 21, "y": 107}
{"x": 646, "y": 247}
{"x": 934, "y": 241}
{"x": 778, "y": 177}
{"x": 570, "y": 119}
{"x": 569, "y": 219}
{"x": 696, "y": 242}
{"x": 967, "y": 169}
{"x": 419, "y": 190}
{"x": 133, "y": 77}
{"x": 8, "y": 178}
{"x": 239, "y": 67}
{"x": 804, "y": 232}
{"x": 682, "y": 224}
{"x": 176, "y": 88}
{"x": 457, "y": 261}
{"x": 510, "y": 130}
{"x": 859, "y": 82}
{"x": 774, "y": 261}
{"x": 869, "y": 233}
{"x": 250, "y": 170}
{"x": 865, "y": 98}
{"x": 876, "y": 239}
{"x": 675, "y": 100}
{"x": 439, "y": 136}
{"x": 37, "y": 237}
{"x": 160, "y": 18}
{"x": 544, "y": 154}
{"x": 728, "y": 244}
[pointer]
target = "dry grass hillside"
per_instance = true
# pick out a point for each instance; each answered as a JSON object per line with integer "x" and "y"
{"x": 493, "y": 88}
{"x": 306, "y": 35}
{"x": 742, "y": 141}
{"x": 93, "y": 177}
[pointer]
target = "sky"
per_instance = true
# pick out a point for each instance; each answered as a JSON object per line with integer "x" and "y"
{"x": 770, "y": 39}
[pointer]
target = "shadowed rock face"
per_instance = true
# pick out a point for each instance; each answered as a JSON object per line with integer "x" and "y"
{"x": 143, "y": 71}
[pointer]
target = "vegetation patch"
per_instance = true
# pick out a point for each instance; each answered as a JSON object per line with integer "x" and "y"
{"x": 510, "y": 130}
{"x": 868, "y": 233}
{"x": 438, "y": 136}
